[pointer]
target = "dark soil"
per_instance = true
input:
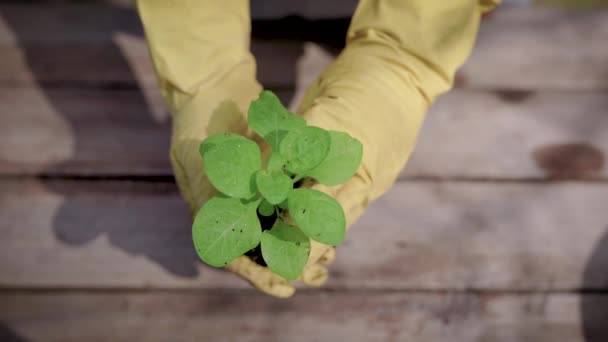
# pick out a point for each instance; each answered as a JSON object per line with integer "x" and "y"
{"x": 267, "y": 222}
{"x": 256, "y": 254}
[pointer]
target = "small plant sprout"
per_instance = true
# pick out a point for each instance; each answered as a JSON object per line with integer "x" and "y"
{"x": 259, "y": 213}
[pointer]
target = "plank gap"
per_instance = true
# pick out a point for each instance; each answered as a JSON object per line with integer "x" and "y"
{"x": 30, "y": 290}
{"x": 170, "y": 179}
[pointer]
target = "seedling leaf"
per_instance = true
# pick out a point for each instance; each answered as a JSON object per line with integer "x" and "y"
{"x": 228, "y": 225}
{"x": 266, "y": 208}
{"x": 215, "y": 139}
{"x": 305, "y": 148}
{"x": 231, "y": 162}
{"x": 285, "y": 250}
{"x": 271, "y": 120}
{"x": 342, "y": 161}
{"x": 318, "y": 215}
{"x": 273, "y": 186}
{"x": 224, "y": 229}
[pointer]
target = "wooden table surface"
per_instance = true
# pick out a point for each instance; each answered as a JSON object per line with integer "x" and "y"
{"x": 497, "y": 230}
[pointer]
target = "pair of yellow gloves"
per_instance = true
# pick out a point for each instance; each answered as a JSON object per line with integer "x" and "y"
{"x": 400, "y": 55}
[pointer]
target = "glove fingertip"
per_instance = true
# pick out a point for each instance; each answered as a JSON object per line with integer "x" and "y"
{"x": 314, "y": 275}
{"x": 328, "y": 257}
{"x": 261, "y": 278}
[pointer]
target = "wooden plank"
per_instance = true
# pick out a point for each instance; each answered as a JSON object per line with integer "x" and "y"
{"x": 103, "y": 45}
{"x": 540, "y": 48}
{"x": 145, "y": 225}
{"x": 271, "y": 9}
{"x": 518, "y": 48}
{"x": 85, "y": 132}
{"x": 467, "y": 134}
{"x": 514, "y": 135}
{"x": 116, "y": 63}
{"x": 309, "y": 316}
{"x": 55, "y": 23}
{"x": 420, "y": 235}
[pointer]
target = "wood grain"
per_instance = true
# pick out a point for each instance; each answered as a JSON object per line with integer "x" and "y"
{"x": 518, "y": 48}
{"x": 84, "y": 132}
{"x": 467, "y": 134}
{"x": 527, "y": 48}
{"x": 81, "y": 131}
{"x": 65, "y": 45}
{"x": 420, "y": 235}
{"x": 309, "y": 316}
{"x": 124, "y": 63}
{"x": 513, "y": 135}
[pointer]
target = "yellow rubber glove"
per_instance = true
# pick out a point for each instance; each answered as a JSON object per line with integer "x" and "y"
{"x": 400, "y": 55}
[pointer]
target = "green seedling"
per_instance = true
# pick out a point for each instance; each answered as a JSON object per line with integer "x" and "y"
{"x": 263, "y": 207}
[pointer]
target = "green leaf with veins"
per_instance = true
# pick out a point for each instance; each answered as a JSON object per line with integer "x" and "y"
{"x": 215, "y": 139}
{"x": 224, "y": 229}
{"x": 231, "y": 162}
{"x": 285, "y": 250}
{"x": 266, "y": 208}
{"x": 342, "y": 161}
{"x": 227, "y": 227}
{"x": 318, "y": 215}
{"x": 274, "y": 186}
{"x": 271, "y": 120}
{"x": 305, "y": 148}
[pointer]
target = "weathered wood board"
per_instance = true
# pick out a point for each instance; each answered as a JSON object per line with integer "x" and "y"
{"x": 478, "y": 244}
{"x": 514, "y": 135}
{"x": 517, "y": 134}
{"x": 518, "y": 48}
{"x": 56, "y": 45}
{"x": 420, "y": 235}
{"x": 309, "y": 316}
{"x": 85, "y": 132}
{"x": 81, "y": 132}
{"x": 124, "y": 63}
{"x": 540, "y": 48}
{"x": 467, "y": 134}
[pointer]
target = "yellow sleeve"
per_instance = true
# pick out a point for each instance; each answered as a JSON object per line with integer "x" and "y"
{"x": 400, "y": 56}
{"x": 198, "y": 44}
{"x": 206, "y": 72}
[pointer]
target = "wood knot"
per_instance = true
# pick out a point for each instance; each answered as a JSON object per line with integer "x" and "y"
{"x": 514, "y": 96}
{"x": 572, "y": 160}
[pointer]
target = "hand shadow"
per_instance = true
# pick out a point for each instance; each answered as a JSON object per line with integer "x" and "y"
{"x": 132, "y": 211}
{"x": 135, "y": 218}
{"x": 8, "y": 335}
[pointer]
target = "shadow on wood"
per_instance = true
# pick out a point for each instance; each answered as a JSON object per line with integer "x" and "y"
{"x": 79, "y": 220}
{"x": 8, "y": 335}
{"x": 594, "y": 310}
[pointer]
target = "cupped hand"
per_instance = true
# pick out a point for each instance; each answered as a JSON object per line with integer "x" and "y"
{"x": 400, "y": 56}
